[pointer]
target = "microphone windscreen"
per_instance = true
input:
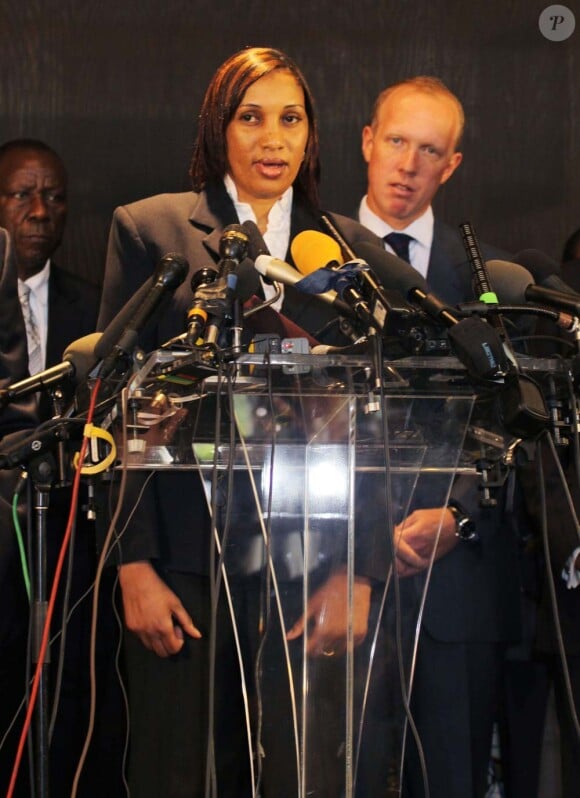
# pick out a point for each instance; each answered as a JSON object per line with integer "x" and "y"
{"x": 248, "y": 282}
{"x": 392, "y": 272}
{"x": 509, "y": 281}
{"x": 114, "y": 329}
{"x": 256, "y": 244}
{"x": 540, "y": 265}
{"x": 233, "y": 243}
{"x": 171, "y": 270}
{"x": 81, "y": 354}
{"x": 544, "y": 269}
{"x": 312, "y": 250}
{"x": 478, "y": 346}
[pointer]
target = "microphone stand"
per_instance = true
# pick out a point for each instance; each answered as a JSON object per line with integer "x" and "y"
{"x": 34, "y": 452}
{"x": 376, "y": 379}
{"x": 522, "y": 404}
{"x": 41, "y": 472}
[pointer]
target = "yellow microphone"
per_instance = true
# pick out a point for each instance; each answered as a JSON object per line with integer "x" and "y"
{"x": 312, "y": 250}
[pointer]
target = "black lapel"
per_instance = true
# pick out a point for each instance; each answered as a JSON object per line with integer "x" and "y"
{"x": 220, "y": 213}
{"x": 449, "y": 273}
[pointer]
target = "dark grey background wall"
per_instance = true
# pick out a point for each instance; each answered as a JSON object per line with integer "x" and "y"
{"x": 115, "y": 86}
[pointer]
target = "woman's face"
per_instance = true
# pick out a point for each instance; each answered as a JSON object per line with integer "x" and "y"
{"x": 266, "y": 137}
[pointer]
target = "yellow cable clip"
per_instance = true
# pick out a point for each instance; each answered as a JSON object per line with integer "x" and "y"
{"x": 90, "y": 431}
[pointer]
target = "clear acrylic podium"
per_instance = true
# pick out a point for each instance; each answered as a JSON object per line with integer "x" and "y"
{"x": 307, "y": 472}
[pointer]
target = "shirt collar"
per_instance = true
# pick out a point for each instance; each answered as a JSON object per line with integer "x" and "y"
{"x": 277, "y": 236}
{"x": 281, "y": 208}
{"x": 39, "y": 281}
{"x": 420, "y": 229}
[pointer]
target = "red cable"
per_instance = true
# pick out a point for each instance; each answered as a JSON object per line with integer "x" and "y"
{"x": 51, "y": 603}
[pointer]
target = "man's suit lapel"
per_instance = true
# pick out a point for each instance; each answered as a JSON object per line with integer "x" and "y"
{"x": 65, "y": 318}
{"x": 61, "y": 298}
{"x": 449, "y": 273}
{"x": 71, "y": 313}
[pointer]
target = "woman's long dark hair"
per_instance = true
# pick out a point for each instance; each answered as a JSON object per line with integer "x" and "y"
{"x": 222, "y": 99}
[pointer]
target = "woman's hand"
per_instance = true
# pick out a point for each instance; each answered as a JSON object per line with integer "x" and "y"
{"x": 152, "y": 611}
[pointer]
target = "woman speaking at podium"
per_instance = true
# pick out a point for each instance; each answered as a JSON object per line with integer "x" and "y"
{"x": 256, "y": 157}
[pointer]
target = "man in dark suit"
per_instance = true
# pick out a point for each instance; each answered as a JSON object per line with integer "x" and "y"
{"x": 33, "y": 186}
{"x": 58, "y": 308}
{"x": 472, "y": 605}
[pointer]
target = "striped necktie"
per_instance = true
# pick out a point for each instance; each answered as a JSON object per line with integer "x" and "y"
{"x": 399, "y": 243}
{"x": 32, "y": 334}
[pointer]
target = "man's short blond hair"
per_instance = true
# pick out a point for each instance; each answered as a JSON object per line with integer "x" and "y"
{"x": 427, "y": 85}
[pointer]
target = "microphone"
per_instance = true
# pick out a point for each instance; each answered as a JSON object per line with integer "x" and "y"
{"x": 276, "y": 270}
{"x": 281, "y": 272}
{"x": 544, "y": 270}
{"x": 233, "y": 248}
{"x": 511, "y": 281}
{"x": 265, "y": 291}
{"x": 482, "y": 285}
{"x": 22, "y": 446}
{"x": 198, "y": 314}
{"x": 256, "y": 247}
{"x": 313, "y": 250}
{"x": 521, "y": 403}
{"x": 170, "y": 273}
{"x": 319, "y": 257}
{"x": 475, "y": 342}
{"x": 395, "y": 273}
{"x": 267, "y": 321}
{"x": 516, "y": 285}
{"x": 115, "y": 327}
{"x": 248, "y": 281}
{"x": 381, "y": 308}
{"x": 256, "y": 244}
{"x": 78, "y": 359}
{"x": 207, "y": 296}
